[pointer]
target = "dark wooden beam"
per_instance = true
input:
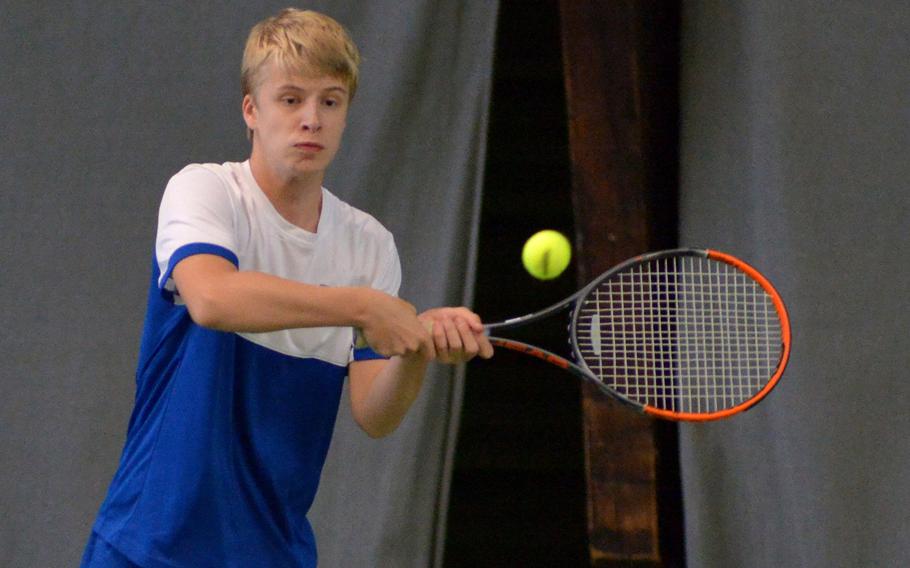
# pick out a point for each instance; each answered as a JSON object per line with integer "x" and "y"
{"x": 621, "y": 69}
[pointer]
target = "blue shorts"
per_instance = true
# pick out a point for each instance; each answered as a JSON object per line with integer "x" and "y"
{"x": 100, "y": 554}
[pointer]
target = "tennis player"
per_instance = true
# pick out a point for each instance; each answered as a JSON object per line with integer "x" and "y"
{"x": 261, "y": 277}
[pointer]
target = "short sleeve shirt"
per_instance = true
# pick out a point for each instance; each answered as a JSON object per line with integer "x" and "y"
{"x": 230, "y": 431}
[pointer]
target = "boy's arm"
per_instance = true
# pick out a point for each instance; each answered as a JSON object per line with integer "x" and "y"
{"x": 382, "y": 390}
{"x": 218, "y": 296}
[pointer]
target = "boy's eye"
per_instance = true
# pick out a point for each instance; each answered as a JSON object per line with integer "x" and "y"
{"x": 289, "y": 100}
{"x": 330, "y": 102}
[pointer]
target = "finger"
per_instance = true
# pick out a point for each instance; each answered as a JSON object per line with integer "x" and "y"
{"x": 425, "y": 334}
{"x": 453, "y": 338}
{"x": 486, "y": 348}
{"x": 410, "y": 307}
{"x": 428, "y": 348}
{"x": 470, "y": 347}
{"x": 391, "y": 349}
{"x": 441, "y": 342}
{"x": 473, "y": 319}
{"x": 435, "y": 338}
{"x": 439, "y": 335}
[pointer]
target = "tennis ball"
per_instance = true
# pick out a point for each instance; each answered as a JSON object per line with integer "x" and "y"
{"x": 546, "y": 254}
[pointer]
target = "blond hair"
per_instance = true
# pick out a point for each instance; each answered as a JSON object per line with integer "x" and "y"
{"x": 302, "y": 42}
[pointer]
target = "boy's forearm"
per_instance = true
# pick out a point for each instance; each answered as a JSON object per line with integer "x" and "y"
{"x": 256, "y": 302}
{"x": 381, "y": 402}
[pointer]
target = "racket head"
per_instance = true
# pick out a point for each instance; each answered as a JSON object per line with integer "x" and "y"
{"x": 684, "y": 334}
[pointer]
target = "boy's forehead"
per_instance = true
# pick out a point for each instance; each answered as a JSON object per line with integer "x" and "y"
{"x": 277, "y": 76}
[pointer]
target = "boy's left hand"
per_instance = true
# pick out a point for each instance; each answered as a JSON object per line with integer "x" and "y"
{"x": 457, "y": 334}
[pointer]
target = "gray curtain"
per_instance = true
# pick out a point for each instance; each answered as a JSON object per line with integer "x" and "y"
{"x": 796, "y": 156}
{"x": 101, "y": 103}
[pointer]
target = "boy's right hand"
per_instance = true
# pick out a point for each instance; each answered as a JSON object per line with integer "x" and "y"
{"x": 390, "y": 327}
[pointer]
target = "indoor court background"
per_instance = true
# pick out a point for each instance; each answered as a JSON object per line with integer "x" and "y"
{"x": 102, "y": 103}
{"x": 794, "y": 131}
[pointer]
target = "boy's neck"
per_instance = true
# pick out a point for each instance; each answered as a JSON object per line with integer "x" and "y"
{"x": 297, "y": 198}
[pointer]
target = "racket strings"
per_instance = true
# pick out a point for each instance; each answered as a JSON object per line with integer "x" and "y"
{"x": 683, "y": 334}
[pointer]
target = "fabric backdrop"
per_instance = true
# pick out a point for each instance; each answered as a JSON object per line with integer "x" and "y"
{"x": 796, "y": 156}
{"x": 101, "y": 103}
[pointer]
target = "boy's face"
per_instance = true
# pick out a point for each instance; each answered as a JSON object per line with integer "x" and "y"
{"x": 297, "y": 121}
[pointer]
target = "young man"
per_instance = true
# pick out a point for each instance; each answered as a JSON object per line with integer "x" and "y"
{"x": 260, "y": 278}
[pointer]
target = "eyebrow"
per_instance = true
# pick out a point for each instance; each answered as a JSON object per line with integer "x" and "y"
{"x": 290, "y": 87}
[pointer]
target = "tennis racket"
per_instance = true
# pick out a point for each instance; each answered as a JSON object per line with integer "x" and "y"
{"x": 685, "y": 334}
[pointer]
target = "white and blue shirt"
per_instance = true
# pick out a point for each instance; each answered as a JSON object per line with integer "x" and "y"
{"x": 230, "y": 431}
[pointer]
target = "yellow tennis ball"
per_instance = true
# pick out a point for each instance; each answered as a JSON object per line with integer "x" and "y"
{"x": 546, "y": 254}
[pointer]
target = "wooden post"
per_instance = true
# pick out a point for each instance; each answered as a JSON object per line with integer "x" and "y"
{"x": 620, "y": 74}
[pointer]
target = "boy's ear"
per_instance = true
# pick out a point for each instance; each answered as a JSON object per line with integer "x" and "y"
{"x": 248, "y": 106}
